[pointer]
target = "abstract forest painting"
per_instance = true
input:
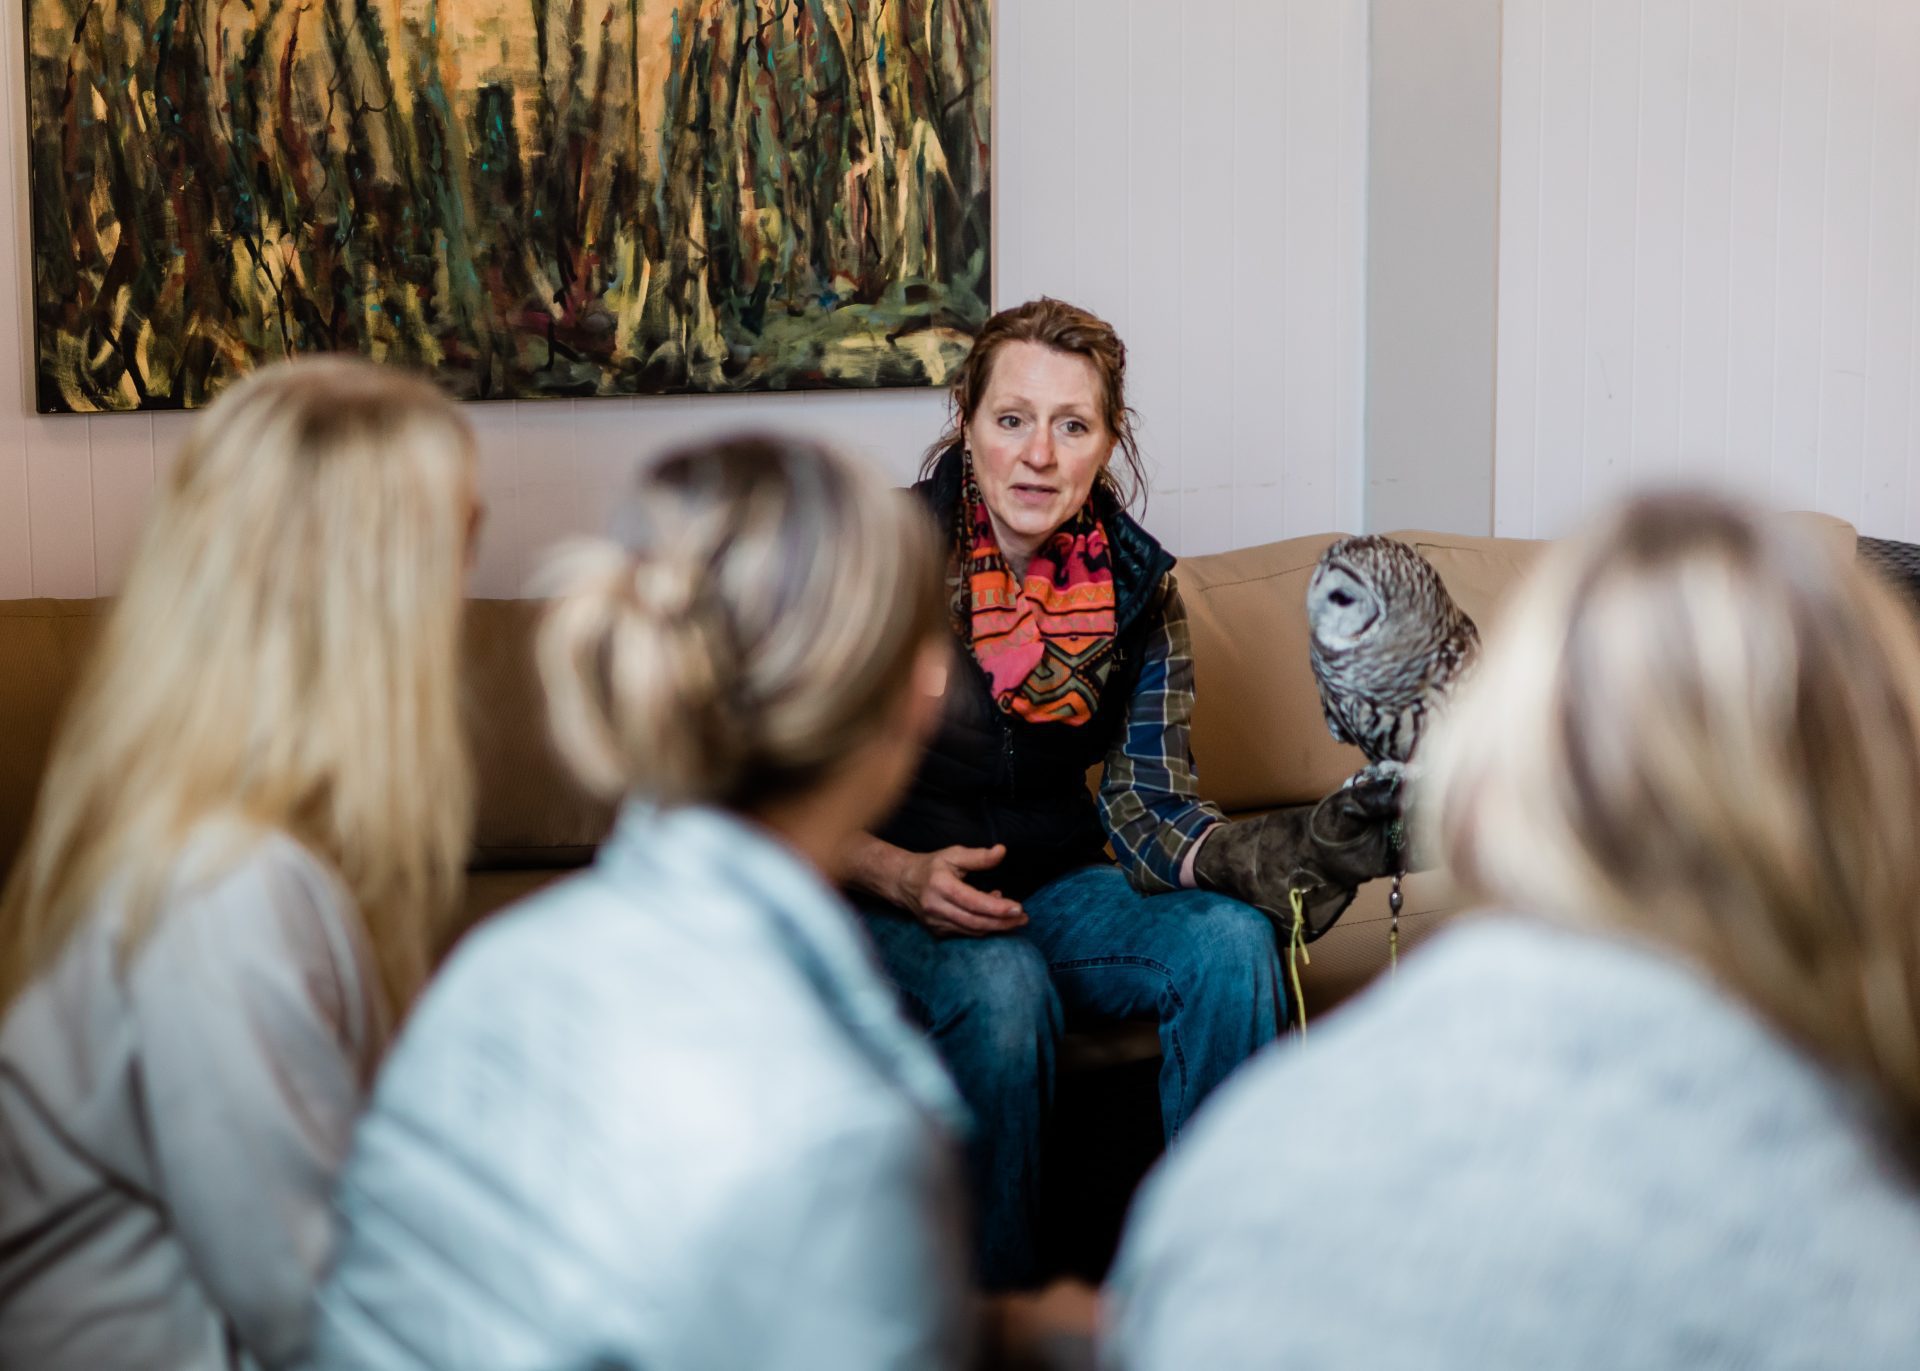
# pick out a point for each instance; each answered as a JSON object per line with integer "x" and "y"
{"x": 526, "y": 198}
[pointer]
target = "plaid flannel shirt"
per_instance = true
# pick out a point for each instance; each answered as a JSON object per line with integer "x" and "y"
{"x": 1150, "y": 793}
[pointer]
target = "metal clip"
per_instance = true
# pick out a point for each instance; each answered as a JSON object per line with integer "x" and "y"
{"x": 1394, "y": 900}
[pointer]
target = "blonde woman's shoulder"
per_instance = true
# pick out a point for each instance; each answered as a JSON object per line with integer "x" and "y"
{"x": 252, "y": 914}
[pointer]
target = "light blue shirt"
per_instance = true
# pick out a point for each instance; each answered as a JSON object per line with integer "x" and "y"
{"x": 664, "y": 1115}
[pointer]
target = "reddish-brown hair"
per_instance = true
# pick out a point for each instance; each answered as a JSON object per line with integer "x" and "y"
{"x": 1064, "y": 328}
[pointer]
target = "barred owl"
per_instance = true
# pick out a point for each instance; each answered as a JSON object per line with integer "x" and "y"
{"x": 1387, "y": 644}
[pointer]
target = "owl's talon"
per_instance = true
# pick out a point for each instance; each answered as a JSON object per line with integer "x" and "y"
{"x": 1385, "y": 772}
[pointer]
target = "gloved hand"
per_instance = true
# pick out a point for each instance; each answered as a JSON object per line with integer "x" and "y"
{"x": 1323, "y": 850}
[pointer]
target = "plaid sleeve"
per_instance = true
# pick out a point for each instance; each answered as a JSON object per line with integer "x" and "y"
{"x": 1150, "y": 794}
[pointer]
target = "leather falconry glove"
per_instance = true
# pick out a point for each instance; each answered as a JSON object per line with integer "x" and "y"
{"x": 1324, "y": 850}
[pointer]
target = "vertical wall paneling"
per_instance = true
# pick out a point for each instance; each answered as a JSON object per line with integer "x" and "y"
{"x": 1760, "y": 49}
{"x": 16, "y": 538}
{"x": 60, "y": 507}
{"x": 1516, "y": 373}
{"x": 55, "y": 457}
{"x": 1256, "y": 216}
{"x": 1708, "y": 214}
{"x": 891, "y": 430}
{"x": 1096, "y": 175}
{"x": 1195, "y": 172}
{"x": 1314, "y": 292}
{"x": 121, "y": 453}
{"x": 1895, "y": 380}
{"x": 1706, "y": 229}
{"x": 16, "y": 532}
{"x": 1653, "y": 365}
{"x": 168, "y": 430}
{"x": 1893, "y": 241}
{"x": 1566, "y": 121}
{"x": 546, "y": 455}
{"x": 1806, "y": 88}
{"x": 503, "y": 544}
{"x": 1853, "y": 90}
{"x": 1350, "y": 229}
{"x": 1152, "y": 136}
{"x": 1203, "y": 180}
{"x": 1609, "y": 278}
{"x": 1430, "y": 237}
{"x": 605, "y": 433}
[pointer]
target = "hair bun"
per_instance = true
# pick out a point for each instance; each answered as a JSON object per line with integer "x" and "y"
{"x": 746, "y": 631}
{"x": 664, "y": 589}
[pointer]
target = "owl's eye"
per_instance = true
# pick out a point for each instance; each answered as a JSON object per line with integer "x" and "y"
{"x": 1341, "y": 598}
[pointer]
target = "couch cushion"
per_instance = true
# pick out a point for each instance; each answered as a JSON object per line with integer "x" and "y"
{"x": 531, "y": 811}
{"x": 43, "y": 645}
{"x": 1259, "y": 738}
{"x": 1837, "y": 532}
{"x": 1480, "y": 573}
{"x": 1355, "y": 950}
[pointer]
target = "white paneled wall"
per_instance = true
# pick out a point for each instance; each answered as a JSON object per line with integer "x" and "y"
{"x": 1196, "y": 172}
{"x": 1708, "y": 238}
{"x": 1204, "y": 187}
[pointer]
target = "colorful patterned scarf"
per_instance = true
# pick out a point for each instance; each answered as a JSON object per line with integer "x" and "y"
{"x": 1046, "y": 643}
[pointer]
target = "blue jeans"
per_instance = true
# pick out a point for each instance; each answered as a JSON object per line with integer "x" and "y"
{"x": 1094, "y": 949}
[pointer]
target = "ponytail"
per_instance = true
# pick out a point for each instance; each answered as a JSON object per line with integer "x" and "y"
{"x": 747, "y": 632}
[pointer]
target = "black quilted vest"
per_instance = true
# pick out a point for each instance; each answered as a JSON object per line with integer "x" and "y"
{"x": 990, "y": 777}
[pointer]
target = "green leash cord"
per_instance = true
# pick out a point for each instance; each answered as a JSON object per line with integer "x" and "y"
{"x": 1297, "y": 944}
{"x": 1297, "y": 953}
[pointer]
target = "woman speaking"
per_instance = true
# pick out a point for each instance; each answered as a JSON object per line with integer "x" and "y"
{"x": 989, "y": 893}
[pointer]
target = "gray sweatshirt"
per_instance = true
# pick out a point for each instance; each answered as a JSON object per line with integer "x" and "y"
{"x": 1533, "y": 1149}
{"x": 170, "y": 1129}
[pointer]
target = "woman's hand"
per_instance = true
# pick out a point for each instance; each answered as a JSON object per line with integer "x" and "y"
{"x": 932, "y": 886}
{"x": 1044, "y": 1330}
{"x": 1324, "y": 851}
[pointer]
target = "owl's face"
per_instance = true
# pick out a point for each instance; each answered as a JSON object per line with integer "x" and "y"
{"x": 1342, "y": 609}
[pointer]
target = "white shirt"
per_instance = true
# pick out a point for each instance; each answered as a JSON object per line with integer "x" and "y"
{"x": 170, "y": 1128}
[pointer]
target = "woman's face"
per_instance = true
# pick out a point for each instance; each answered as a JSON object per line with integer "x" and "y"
{"x": 1040, "y": 439}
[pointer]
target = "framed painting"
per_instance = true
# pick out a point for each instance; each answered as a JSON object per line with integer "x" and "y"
{"x": 524, "y": 198}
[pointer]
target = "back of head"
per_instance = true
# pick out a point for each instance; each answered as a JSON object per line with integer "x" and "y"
{"x": 1701, "y": 726}
{"x": 746, "y": 631}
{"x": 285, "y": 652}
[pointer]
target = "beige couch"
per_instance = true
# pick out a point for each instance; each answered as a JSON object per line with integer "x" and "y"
{"x": 1258, "y": 737}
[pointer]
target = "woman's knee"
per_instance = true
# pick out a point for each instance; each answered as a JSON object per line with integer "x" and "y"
{"x": 1007, "y": 1001}
{"x": 1230, "y": 942}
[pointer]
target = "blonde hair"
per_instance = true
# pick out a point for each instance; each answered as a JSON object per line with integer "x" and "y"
{"x": 748, "y": 628}
{"x": 285, "y": 653}
{"x": 1701, "y": 726}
